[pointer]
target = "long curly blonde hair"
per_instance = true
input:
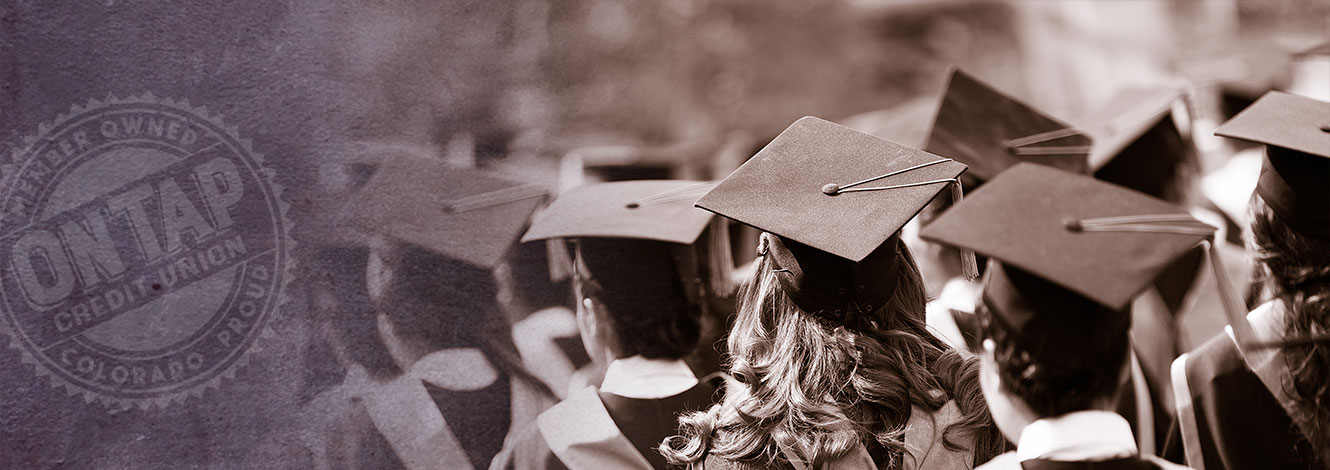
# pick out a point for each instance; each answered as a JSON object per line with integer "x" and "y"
{"x": 823, "y": 388}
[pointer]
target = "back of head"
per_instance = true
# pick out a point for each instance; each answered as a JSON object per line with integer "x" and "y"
{"x": 1077, "y": 377}
{"x": 1068, "y": 253}
{"x": 639, "y": 285}
{"x": 437, "y": 300}
{"x": 824, "y": 386}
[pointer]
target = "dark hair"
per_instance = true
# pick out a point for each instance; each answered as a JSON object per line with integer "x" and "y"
{"x": 340, "y": 272}
{"x": 785, "y": 359}
{"x": 1049, "y": 387}
{"x": 642, "y": 292}
{"x": 443, "y": 302}
{"x": 529, "y": 279}
{"x": 1297, "y": 268}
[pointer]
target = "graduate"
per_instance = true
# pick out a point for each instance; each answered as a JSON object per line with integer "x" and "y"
{"x": 580, "y": 167}
{"x": 832, "y": 365}
{"x": 644, "y": 276}
{"x": 1066, "y": 255}
{"x": 989, "y": 131}
{"x": 438, "y": 374}
{"x": 1256, "y": 395}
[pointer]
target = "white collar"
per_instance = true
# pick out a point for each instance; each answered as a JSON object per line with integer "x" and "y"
{"x": 1267, "y": 325}
{"x": 961, "y": 294}
{"x": 1089, "y": 435}
{"x": 639, "y": 377}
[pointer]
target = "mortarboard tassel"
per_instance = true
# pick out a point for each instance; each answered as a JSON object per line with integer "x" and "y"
{"x": 720, "y": 259}
{"x": 495, "y": 198}
{"x": 1021, "y": 146}
{"x": 559, "y": 260}
{"x": 683, "y": 193}
{"x": 1234, "y": 308}
{"x": 969, "y": 266}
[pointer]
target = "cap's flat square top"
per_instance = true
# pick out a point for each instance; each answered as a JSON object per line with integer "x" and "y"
{"x": 781, "y": 189}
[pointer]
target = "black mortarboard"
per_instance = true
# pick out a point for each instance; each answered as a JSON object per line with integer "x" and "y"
{"x": 635, "y": 161}
{"x": 835, "y": 199}
{"x": 464, "y": 214}
{"x": 650, "y": 210}
{"x": 632, "y": 229}
{"x": 1138, "y": 144}
{"x": 1295, "y": 176}
{"x": 1126, "y": 118}
{"x": 1064, "y": 241}
{"x": 990, "y": 131}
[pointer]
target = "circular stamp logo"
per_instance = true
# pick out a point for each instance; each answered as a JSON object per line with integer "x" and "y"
{"x": 145, "y": 249}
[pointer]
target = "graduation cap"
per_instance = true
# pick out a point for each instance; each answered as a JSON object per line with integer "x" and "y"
{"x": 639, "y": 233}
{"x": 989, "y": 131}
{"x": 1138, "y": 144}
{"x": 1242, "y": 70}
{"x": 659, "y": 210}
{"x": 833, "y": 200}
{"x": 633, "y": 160}
{"x": 1126, "y": 119}
{"x": 1295, "y": 175}
{"x": 1065, "y": 241}
{"x": 463, "y": 214}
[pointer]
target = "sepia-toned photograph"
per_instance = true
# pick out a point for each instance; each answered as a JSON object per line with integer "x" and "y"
{"x": 665, "y": 235}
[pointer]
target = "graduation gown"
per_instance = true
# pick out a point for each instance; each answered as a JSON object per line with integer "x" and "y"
{"x": 1231, "y": 410}
{"x": 923, "y": 442}
{"x": 1182, "y": 310}
{"x": 594, "y": 429}
{"x": 442, "y": 415}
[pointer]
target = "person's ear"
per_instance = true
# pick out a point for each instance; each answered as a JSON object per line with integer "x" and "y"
{"x": 378, "y": 275}
{"x": 1009, "y": 411}
{"x": 988, "y": 370}
{"x": 586, "y": 316}
{"x": 594, "y": 338}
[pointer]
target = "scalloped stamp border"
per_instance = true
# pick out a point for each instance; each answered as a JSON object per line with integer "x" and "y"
{"x": 145, "y": 250}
